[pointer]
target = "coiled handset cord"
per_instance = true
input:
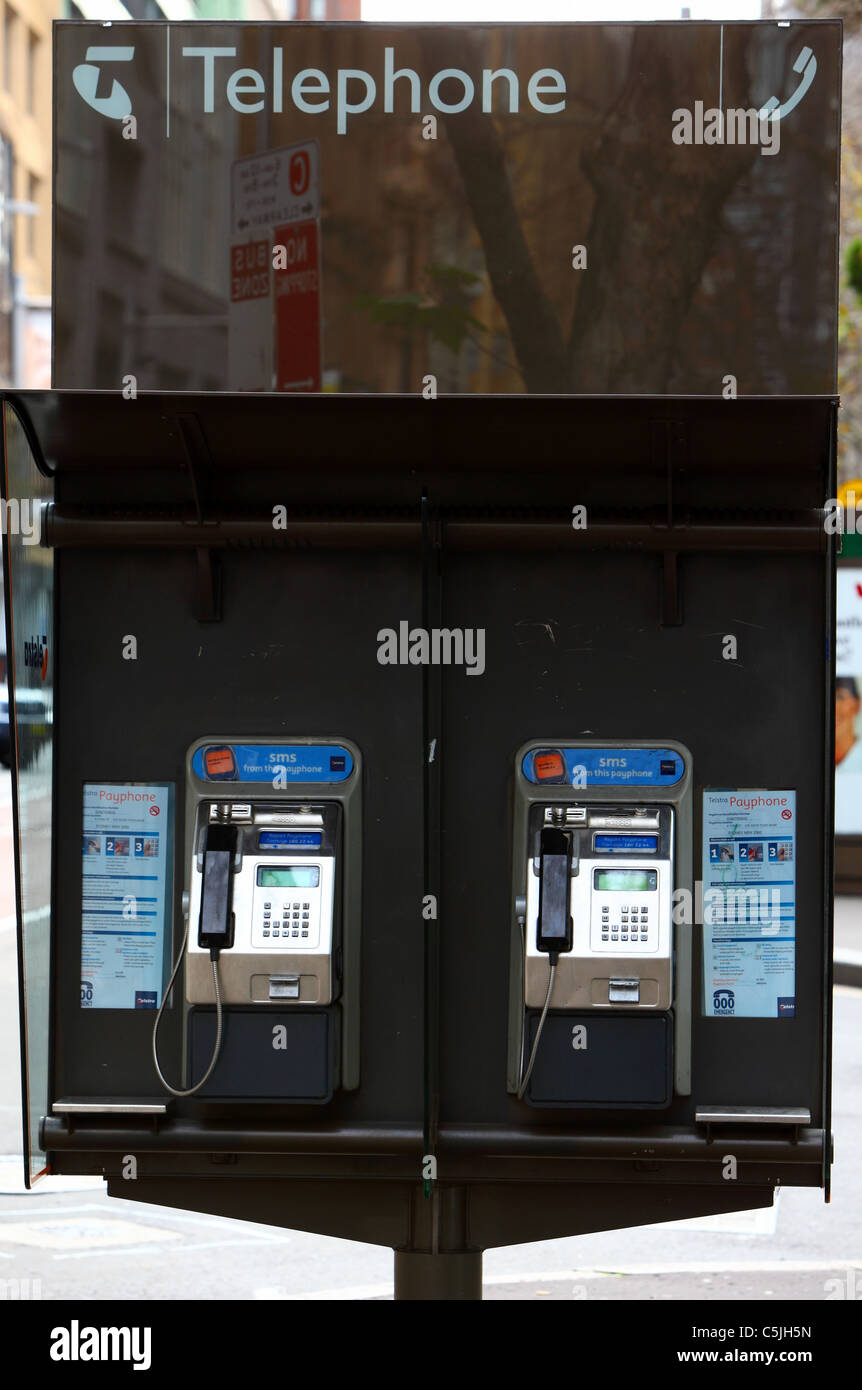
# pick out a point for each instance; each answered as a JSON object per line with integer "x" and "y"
{"x": 214, "y": 955}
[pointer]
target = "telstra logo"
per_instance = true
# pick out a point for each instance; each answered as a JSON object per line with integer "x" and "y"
{"x": 117, "y": 105}
{"x": 36, "y": 654}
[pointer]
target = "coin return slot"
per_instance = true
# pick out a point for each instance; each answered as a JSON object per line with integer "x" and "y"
{"x": 284, "y": 986}
{"x": 624, "y": 991}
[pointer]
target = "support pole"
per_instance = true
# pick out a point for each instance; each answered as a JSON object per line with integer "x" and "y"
{"x": 446, "y": 1276}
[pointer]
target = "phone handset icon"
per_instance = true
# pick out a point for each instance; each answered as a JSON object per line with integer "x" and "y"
{"x": 806, "y": 63}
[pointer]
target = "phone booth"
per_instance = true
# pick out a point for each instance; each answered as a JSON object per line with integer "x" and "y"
{"x": 420, "y": 627}
{"x": 444, "y": 955}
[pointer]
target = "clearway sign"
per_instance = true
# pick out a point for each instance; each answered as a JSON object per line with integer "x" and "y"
{"x": 276, "y": 187}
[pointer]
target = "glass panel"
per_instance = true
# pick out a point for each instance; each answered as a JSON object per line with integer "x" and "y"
{"x": 572, "y": 208}
{"x": 29, "y": 579}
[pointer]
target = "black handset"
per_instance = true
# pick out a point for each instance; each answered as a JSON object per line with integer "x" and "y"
{"x": 215, "y": 928}
{"x": 554, "y": 931}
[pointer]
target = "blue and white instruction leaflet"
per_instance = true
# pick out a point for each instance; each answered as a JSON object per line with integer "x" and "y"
{"x": 126, "y": 886}
{"x": 749, "y": 904}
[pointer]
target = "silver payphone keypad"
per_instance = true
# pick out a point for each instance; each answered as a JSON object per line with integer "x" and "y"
{"x": 286, "y": 906}
{"x": 625, "y": 902}
{"x": 631, "y": 924}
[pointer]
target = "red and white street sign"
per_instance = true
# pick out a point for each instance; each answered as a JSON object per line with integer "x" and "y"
{"x": 249, "y": 271}
{"x": 273, "y": 188}
{"x": 250, "y": 317}
{"x": 296, "y": 262}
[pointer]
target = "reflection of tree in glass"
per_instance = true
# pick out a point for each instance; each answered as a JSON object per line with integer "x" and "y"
{"x": 443, "y": 311}
{"x": 656, "y": 213}
{"x": 850, "y": 301}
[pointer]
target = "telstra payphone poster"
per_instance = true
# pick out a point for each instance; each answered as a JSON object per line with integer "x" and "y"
{"x": 749, "y": 904}
{"x": 126, "y": 883}
{"x": 570, "y": 208}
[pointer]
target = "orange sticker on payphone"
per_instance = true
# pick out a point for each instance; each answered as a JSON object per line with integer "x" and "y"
{"x": 549, "y": 766}
{"x": 220, "y": 763}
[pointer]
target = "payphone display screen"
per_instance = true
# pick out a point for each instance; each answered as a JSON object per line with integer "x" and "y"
{"x": 626, "y": 844}
{"x": 289, "y": 839}
{"x": 626, "y": 880}
{"x": 300, "y": 876}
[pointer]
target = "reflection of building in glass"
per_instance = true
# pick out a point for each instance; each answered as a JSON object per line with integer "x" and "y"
{"x": 136, "y": 214}
{"x": 145, "y": 219}
{"x": 25, "y": 191}
{"x": 323, "y": 9}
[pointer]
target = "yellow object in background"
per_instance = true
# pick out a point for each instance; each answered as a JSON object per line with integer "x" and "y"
{"x": 854, "y": 486}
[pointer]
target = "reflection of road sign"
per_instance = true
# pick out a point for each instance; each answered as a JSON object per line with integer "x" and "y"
{"x": 300, "y": 172}
{"x": 275, "y": 187}
{"x": 279, "y": 188}
{"x": 297, "y": 307}
{"x": 250, "y": 316}
{"x": 249, "y": 271}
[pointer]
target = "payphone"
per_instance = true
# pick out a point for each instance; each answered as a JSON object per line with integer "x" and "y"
{"x": 603, "y": 842}
{"x": 271, "y": 907}
{"x": 263, "y": 886}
